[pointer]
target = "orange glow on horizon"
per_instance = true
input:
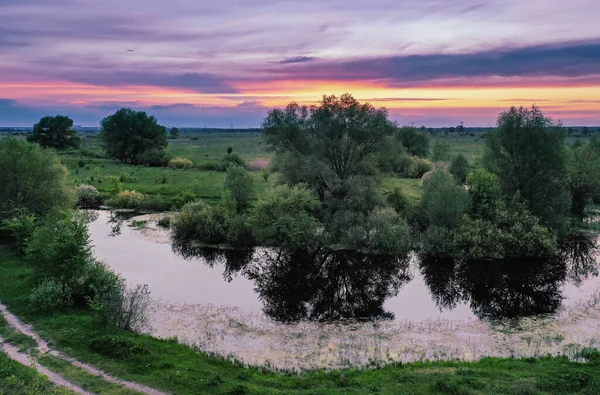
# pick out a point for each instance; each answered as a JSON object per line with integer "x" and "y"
{"x": 562, "y": 100}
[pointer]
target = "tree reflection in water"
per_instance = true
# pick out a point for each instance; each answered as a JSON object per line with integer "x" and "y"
{"x": 512, "y": 288}
{"x": 325, "y": 285}
{"x": 312, "y": 285}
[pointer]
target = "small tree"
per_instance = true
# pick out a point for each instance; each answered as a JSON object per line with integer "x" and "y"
{"x": 459, "y": 168}
{"x": 128, "y": 133}
{"x": 55, "y": 132}
{"x": 585, "y": 131}
{"x": 31, "y": 178}
{"x": 444, "y": 202}
{"x": 241, "y": 185}
{"x": 61, "y": 247}
{"x": 528, "y": 154}
{"x": 174, "y": 133}
{"x": 440, "y": 151}
{"x": 415, "y": 142}
{"x": 229, "y": 150}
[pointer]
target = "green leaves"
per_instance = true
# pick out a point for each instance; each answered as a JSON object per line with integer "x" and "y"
{"x": 128, "y": 133}
{"x": 55, "y": 132}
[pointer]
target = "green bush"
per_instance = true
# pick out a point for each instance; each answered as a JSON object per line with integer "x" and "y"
{"x": 200, "y": 222}
{"x": 33, "y": 179}
{"x": 239, "y": 232}
{"x": 154, "y": 158}
{"x": 181, "y": 163}
{"x": 88, "y": 197}
{"x": 241, "y": 186}
{"x": 285, "y": 217}
{"x": 21, "y": 226}
{"x": 444, "y": 202}
{"x": 128, "y": 199}
{"x": 397, "y": 199}
{"x": 96, "y": 284}
{"x": 50, "y": 296}
{"x": 118, "y": 347}
{"x": 233, "y": 159}
{"x": 60, "y": 248}
{"x": 459, "y": 168}
{"x": 185, "y": 197}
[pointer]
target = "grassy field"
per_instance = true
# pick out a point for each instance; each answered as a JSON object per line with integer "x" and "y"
{"x": 179, "y": 369}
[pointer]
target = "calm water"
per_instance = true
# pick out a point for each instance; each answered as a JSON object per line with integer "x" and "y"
{"x": 288, "y": 309}
{"x": 336, "y": 285}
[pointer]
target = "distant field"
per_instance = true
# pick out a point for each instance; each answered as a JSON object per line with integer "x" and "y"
{"x": 202, "y": 147}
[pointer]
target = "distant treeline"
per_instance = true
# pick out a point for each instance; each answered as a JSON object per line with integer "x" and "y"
{"x": 193, "y": 130}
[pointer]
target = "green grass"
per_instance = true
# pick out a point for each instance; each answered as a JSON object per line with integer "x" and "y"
{"x": 153, "y": 181}
{"x": 179, "y": 369}
{"x": 18, "y": 379}
{"x": 83, "y": 379}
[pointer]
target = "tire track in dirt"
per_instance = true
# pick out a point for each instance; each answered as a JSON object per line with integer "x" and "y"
{"x": 43, "y": 348}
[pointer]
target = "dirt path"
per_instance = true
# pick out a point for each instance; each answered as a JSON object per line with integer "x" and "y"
{"x": 43, "y": 348}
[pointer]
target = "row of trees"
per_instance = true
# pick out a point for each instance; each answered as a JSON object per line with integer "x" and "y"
{"x": 129, "y": 136}
{"x": 332, "y": 159}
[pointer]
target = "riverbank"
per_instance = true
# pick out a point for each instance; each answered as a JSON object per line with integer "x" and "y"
{"x": 172, "y": 367}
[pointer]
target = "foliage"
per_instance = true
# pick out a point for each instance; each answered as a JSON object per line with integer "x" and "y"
{"x": 440, "y": 151}
{"x": 174, "y": 133}
{"x": 128, "y": 199}
{"x": 127, "y": 134}
{"x": 126, "y": 309}
{"x": 438, "y": 242}
{"x": 241, "y": 186}
{"x": 486, "y": 192}
{"x": 584, "y": 176}
{"x": 384, "y": 232}
{"x": 50, "y": 296}
{"x": 181, "y": 163}
{"x": 459, "y": 168}
{"x": 185, "y": 197}
{"x": 60, "y": 247}
{"x": 118, "y": 347}
{"x": 528, "y": 154}
{"x": 238, "y": 231}
{"x": 200, "y": 222}
{"x": 397, "y": 199}
{"x": 285, "y": 217}
{"x": 55, "y": 132}
{"x": 512, "y": 232}
{"x": 88, "y": 197}
{"x": 32, "y": 179}
{"x": 329, "y": 145}
{"x": 444, "y": 202}
{"x": 415, "y": 142}
{"x": 153, "y": 157}
{"x": 21, "y": 226}
{"x": 232, "y": 159}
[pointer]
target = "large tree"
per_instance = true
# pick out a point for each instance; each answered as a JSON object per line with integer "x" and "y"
{"x": 335, "y": 149}
{"x": 128, "y": 133}
{"x": 55, "y": 132}
{"x": 527, "y": 152}
{"x": 31, "y": 178}
{"x": 324, "y": 145}
{"x": 415, "y": 142}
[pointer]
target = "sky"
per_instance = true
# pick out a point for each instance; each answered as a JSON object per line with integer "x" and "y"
{"x": 226, "y": 63}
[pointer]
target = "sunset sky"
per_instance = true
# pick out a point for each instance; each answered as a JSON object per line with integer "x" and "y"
{"x": 227, "y": 62}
